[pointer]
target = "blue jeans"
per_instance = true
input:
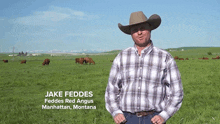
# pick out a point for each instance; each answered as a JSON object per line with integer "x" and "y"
{"x": 133, "y": 119}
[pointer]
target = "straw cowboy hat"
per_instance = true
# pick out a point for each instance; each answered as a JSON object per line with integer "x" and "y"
{"x": 138, "y": 18}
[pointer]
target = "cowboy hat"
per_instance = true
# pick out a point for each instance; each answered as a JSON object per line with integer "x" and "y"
{"x": 139, "y": 18}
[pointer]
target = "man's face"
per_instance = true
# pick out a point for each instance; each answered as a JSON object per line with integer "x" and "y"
{"x": 141, "y": 34}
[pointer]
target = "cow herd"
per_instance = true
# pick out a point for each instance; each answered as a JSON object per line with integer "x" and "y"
{"x": 203, "y": 58}
{"x": 78, "y": 60}
{"x": 89, "y": 60}
{"x": 46, "y": 61}
{"x": 84, "y": 60}
{"x": 177, "y": 58}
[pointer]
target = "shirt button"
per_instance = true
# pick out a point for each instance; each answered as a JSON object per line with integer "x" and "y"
{"x": 139, "y": 77}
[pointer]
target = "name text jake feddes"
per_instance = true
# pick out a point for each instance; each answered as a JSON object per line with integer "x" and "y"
{"x": 69, "y": 94}
{"x": 54, "y": 97}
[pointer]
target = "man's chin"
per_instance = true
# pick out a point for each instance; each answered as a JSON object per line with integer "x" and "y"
{"x": 142, "y": 44}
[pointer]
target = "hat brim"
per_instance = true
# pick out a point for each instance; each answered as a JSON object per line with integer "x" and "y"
{"x": 154, "y": 22}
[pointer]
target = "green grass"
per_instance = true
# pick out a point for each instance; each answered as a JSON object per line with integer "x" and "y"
{"x": 23, "y": 88}
{"x": 201, "y": 102}
{"x": 197, "y": 53}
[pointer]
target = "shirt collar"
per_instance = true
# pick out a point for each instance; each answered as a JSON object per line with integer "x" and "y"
{"x": 145, "y": 50}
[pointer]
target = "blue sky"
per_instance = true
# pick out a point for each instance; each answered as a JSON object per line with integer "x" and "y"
{"x": 92, "y": 25}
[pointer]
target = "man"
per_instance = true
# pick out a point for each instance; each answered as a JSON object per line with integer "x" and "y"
{"x": 144, "y": 85}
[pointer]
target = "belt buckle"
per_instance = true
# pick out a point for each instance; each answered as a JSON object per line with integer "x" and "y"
{"x": 138, "y": 115}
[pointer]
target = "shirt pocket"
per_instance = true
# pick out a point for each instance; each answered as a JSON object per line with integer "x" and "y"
{"x": 128, "y": 74}
{"x": 154, "y": 73}
{"x": 128, "y": 77}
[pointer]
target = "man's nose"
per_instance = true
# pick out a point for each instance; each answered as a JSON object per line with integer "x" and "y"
{"x": 139, "y": 31}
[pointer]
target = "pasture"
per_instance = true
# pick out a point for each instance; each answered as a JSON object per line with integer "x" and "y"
{"x": 23, "y": 88}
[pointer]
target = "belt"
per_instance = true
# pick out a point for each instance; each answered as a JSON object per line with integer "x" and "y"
{"x": 143, "y": 113}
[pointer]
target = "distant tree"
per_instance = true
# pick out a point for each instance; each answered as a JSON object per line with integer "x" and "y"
{"x": 209, "y": 53}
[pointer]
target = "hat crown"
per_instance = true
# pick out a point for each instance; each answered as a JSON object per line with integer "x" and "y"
{"x": 137, "y": 17}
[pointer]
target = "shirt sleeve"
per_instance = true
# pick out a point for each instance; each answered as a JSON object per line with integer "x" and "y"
{"x": 174, "y": 91}
{"x": 112, "y": 89}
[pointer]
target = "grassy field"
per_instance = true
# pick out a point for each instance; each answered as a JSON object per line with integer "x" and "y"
{"x": 23, "y": 88}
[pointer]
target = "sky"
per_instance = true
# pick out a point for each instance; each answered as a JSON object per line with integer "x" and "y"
{"x": 92, "y": 25}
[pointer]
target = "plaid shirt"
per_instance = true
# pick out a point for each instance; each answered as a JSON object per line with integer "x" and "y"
{"x": 147, "y": 82}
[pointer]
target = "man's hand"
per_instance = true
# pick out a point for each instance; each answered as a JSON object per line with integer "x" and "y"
{"x": 157, "y": 119}
{"x": 119, "y": 118}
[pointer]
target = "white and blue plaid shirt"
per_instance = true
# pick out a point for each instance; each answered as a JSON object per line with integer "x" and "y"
{"x": 147, "y": 82}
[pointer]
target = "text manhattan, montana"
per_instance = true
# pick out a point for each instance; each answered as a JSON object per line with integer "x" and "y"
{"x": 67, "y": 107}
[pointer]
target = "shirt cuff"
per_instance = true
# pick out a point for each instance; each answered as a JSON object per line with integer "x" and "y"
{"x": 164, "y": 115}
{"x": 116, "y": 112}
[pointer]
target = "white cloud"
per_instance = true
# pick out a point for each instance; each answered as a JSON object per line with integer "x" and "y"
{"x": 41, "y": 18}
{"x": 53, "y": 15}
{"x": 78, "y": 13}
